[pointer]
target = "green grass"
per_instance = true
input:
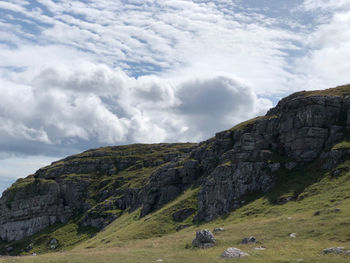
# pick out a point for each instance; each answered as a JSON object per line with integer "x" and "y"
{"x": 342, "y": 145}
{"x": 130, "y": 226}
{"x": 342, "y": 91}
{"x": 247, "y": 123}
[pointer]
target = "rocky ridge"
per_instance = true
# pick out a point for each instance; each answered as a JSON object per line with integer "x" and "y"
{"x": 104, "y": 183}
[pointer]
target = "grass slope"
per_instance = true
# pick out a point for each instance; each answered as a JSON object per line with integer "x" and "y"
{"x": 342, "y": 91}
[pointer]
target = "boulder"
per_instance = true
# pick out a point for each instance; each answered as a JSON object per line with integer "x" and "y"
{"x": 53, "y": 243}
{"x": 248, "y": 240}
{"x": 293, "y": 235}
{"x": 204, "y": 239}
{"x": 218, "y": 229}
{"x": 233, "y": 252}
{"x": 336, "y": 250}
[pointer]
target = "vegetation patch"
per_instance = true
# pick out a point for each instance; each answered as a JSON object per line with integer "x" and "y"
{"x": 250, "y": 122}
{"x": 342, "y": 91}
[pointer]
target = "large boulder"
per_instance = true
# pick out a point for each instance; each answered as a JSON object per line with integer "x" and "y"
{"x": 204, "y": 239}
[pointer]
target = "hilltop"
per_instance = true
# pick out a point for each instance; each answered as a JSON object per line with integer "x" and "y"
{"x": 285, "y": 172}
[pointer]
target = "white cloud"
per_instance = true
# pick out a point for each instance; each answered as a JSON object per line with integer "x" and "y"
{"x": 326, "y": 64}
{"x": 98, "y": 104}
{"x": 149, "y": 36}
{"x": 326, "y": 4}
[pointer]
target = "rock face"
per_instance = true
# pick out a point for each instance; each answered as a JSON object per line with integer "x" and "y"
{"x": 75, "y": 184}
{"x": 102, "y": 184}
{"x": 204, "y": 239}
{"x": 299, "y": 129}
{"x": 181, "y": 215}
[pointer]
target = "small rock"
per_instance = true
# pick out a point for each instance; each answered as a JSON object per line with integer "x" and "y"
{"x": 293, "y": 235}
{"x": 317, "y": 213}
{"x": 336, "y": 250}
{"x": 53, "y": 243}
{"x": 218, "y": 229}
{"x": 159, "y": 260}
{"x": 233, "y": 252}
{"x": 289, "y": 217}
{"x": 248, "y": 240}
{"x": 260, "y": 248}
{"x": 204, "y": 239}
{"x": 34, "y": 254}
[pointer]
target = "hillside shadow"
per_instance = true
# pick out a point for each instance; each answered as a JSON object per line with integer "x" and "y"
{"x": 290, "y": 184}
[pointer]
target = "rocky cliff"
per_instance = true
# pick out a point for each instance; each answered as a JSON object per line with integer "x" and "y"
{"x": 102, "y": 184}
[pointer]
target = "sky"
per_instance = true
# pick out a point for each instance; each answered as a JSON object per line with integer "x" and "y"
{"x": 80, "y": 74}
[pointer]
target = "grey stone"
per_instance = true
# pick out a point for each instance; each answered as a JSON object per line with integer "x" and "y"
{"x": 293, "y": 235}
{"x": 53, "y": 243}
{"x": 218, "y": 229}
{"x": 248, "y": 240}
{"x": 233, "y": 252}
{"x": 204, "y": 239}
{"x": 260, "y": 248}
{"x": 317, "y": 213}
{"x": 336, "y": 250}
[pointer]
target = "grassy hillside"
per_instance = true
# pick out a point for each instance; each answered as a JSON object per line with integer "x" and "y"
{"x": 318, "y": 212}
{"x": 342, "y": 91}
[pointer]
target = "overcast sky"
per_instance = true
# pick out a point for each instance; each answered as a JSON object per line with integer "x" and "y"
{"x": 82, "y": 74}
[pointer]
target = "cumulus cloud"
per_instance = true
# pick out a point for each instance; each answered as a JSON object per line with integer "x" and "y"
{"x": 210, "y": 105}
{"x": 105, "y": 106}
